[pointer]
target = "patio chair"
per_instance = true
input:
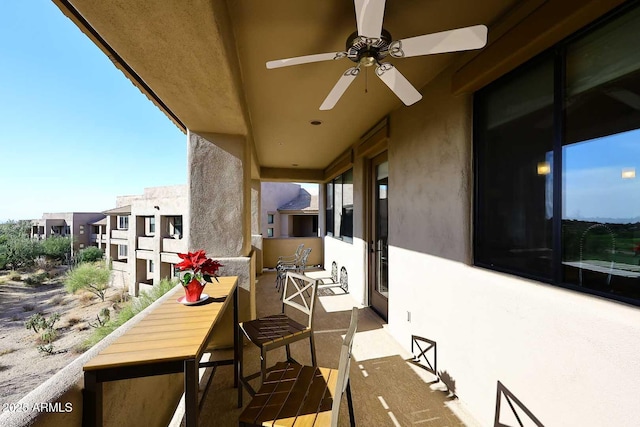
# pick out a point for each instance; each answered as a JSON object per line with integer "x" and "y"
{"x": 271, "y": 332}
{"x": 288, "y": 260}
{"x": 305, "y": 394}
{"x": 298, "y": 267}
{"x": 291, "y": 258}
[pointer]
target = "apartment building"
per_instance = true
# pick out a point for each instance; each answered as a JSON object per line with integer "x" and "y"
{"x": 85, "y": 228}
{"x": 288, "y": 210}
{"x": 144, "y": 234}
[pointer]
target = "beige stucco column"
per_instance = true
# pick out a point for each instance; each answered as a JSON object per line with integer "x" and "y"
{"x": 219, "y": 182}
{"x": 256, "y": 220}
{"x": 219, "y": 194}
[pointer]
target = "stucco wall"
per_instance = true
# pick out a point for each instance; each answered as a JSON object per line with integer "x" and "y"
{"x": 272, "y": 196}
{"x": 571, "y": 358}
{"x": 274, "y": 248}
{"x": 160, "y": 203}
{"x": 352, "y": 257}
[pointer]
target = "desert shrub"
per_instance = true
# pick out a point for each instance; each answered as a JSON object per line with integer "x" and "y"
{"x": 93, "y": 277}
{"x": 57, "y": 300}
{"x": 72, "y": 321}
{"x": 45, "y": 327}
{"x": 57, "y": 248}
{"x": 14, "y": 276}
{"x": 101, "y": 318}
{"x": 90, "y": 254}
{"x": 48, "y": 336}
{"x": 36, "y": 279}
{"x": 129, "y": 310}
{"x": 46, "y": 265}
{"x": 86, "y": 298}
{"x": 19, "y": 251}
{"x": 146, "y": 298}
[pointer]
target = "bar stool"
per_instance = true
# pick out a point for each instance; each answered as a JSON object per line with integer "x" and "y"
{"x": 304, "y": 395}
{"x": 271, "y": 332}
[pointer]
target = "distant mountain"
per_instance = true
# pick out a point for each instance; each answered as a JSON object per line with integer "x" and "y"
{"x": 608, "y": 220}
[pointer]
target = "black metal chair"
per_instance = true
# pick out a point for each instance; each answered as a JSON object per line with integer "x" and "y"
{"x": 279, "y": 330}
{"x": 297, "y": 267}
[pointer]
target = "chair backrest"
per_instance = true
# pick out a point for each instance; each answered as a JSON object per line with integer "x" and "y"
{"x": 302, "y": 261}
{"x": 300, "y": 293}
{"x": 296, "y": 254}
{"x": 343, "y": 366}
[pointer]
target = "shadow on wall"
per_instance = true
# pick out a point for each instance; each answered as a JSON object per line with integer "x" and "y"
{"x": 518, "y": 412}
{"x": 425, "y": 356}
{"x": 448, "y": 380}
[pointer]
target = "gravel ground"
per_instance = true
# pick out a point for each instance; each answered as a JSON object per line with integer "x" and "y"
{"x": 22, "y": 366}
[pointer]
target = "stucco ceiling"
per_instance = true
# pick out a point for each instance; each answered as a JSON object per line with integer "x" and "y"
{"x": 205, "y": 59}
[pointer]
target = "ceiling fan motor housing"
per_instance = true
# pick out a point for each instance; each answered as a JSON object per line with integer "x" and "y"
{"x": 367, "y": 51}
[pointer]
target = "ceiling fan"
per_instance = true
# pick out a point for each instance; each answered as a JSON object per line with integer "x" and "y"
{"x": 371, "y": 44}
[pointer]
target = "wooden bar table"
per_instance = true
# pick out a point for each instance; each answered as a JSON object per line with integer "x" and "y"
{"x": 171, "y": 339}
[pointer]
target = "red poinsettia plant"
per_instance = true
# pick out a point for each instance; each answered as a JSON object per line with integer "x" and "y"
{"x": 201, "y": 268}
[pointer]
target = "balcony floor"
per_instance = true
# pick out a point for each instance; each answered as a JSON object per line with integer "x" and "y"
{"x": 386, "y": 389}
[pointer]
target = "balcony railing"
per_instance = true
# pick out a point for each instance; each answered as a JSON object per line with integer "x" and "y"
{"x": 272, "y": 248}
{"x": 119, "y": 234}
{"x": 145, "y": 243}
{"x": 119, "y": 265}
{"x": 174, "y": 245}
{"x": 378, "y": 365}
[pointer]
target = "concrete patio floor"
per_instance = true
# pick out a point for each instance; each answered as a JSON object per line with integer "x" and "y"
{"x": 387, "y": 390}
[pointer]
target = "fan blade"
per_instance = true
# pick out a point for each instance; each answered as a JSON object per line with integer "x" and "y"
{"x": 369, "y": 15}
{"x": 305, "y": 59}
{"x": 467, "y": 38}
{"x": 398, "y": 83}
{"x": 340, "y": 88}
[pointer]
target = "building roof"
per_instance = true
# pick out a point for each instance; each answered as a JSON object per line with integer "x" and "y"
{"x": 126, "y": 210}
{"x": 103, "y": 221}
{"x": 303, "y": 202}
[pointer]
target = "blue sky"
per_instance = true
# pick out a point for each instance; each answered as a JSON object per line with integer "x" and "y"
{"x": 73, "y": 128}
{"x": 593, "y": 183}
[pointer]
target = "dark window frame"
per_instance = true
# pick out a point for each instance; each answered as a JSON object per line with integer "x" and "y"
{"x": 123, "y": 222}
{"x": 345, "y": 234}
{"x": 559, "y": 53}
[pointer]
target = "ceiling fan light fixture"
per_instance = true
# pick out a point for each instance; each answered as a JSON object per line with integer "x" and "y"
{"x": 367, "y": 61}
{"x": 371, "y": 44}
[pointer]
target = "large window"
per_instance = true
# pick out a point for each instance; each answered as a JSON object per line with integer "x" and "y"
{"x": 339, "y": 214}
{"x": 123, "y": 251}
{"x": 329, "y": 211}
{"x": 557, "y": 146}
{"x": 123, "y": 223}
{"x": 174, "y": 226}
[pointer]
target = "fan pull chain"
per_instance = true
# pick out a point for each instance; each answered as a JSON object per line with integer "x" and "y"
{"x": 366, "y": 80}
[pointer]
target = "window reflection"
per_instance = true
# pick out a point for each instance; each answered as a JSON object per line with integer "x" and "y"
{"x": 601, "y": 214}
{"x": 591, "y": 116}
